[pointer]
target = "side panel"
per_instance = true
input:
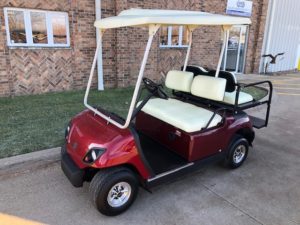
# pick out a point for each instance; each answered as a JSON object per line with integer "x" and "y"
{"x": 191, "y": 146}
{"x": 208, "y": 143}
{"x": 169, "y": 136}
{"x": 127, "y": 154}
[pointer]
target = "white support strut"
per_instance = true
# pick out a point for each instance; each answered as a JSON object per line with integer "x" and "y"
{"x": 152, "y": 31}
{"x": 226, "y": 33}
{"x": 189, "y": 48}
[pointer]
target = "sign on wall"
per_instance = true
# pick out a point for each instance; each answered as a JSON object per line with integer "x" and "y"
{"x": 239, "y": 7}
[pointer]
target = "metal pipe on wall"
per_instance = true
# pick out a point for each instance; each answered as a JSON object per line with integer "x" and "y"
{"x": 99, "y": 58}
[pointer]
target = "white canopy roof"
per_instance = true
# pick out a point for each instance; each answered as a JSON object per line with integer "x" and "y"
{"x": 143, "y": 17}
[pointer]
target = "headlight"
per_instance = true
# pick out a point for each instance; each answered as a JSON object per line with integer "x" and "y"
{"x": 67, "y": 131}
{"x": 93, "y": 155}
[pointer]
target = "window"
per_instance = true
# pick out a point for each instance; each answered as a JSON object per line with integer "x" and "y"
{"x": 36, "y": 28}
{"x": 174, "y": 37}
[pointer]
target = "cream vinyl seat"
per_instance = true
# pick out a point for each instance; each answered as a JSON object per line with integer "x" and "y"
{"x": 185, "y": 116}
{"x": 229, "y": 98}
{"x": 231, "y": 85}
{"x": 182, "y": 115}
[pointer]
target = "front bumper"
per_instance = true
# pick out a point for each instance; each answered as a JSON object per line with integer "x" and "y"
{"x": 71, "y": 170}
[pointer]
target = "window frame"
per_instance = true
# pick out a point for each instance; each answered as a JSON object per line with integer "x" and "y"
{"x": 180, "y": 38}
{"x": 28, "y": 28}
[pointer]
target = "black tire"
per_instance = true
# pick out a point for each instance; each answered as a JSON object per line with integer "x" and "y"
{"x": 241, "y": 144}
{"x": 103, "y": 182}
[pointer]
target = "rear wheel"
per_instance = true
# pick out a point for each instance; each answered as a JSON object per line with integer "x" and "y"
{"x": 237, "y": 153}
{"x": 113, "y": 190}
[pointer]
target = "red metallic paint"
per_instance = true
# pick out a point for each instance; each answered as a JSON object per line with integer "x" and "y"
{"x": 90, "y": 131}
{"x": 192, "y": 146}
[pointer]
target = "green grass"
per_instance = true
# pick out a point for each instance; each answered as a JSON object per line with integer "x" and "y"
{"x": 31, "y": 123}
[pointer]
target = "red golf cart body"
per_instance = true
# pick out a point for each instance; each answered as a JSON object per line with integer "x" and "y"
{"x": 203, "y": 121}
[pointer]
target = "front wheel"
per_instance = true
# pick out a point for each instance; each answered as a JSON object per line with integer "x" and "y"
{"x": 238, "y": 152}
{"x": 113, "y": 190}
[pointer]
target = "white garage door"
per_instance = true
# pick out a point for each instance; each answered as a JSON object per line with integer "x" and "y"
{"x": 282, "y": 34}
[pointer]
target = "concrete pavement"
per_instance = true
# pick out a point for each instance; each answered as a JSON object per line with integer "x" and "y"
{"x": 265, "y": 190}
{"x": 283, "y": 84}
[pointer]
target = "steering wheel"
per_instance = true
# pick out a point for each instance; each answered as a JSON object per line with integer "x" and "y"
{"x": 155, "y": 89}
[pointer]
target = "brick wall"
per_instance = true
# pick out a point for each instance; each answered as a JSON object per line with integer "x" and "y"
{"x": 35, "y": 70}
{"x": 256, "y": 36}
{"x": 5, "y": 78}
{"x": 109, "y": 47}
{"x": 31, "y": 71}
{"x": 39, "y": 70}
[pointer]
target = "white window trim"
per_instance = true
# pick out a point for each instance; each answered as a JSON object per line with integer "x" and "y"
{"x": 180, "y": 38}
{"x": 28, "y": 28}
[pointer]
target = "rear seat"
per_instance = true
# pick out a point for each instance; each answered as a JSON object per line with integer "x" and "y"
{"x": 244, "y": 97}
{"x": 230, "y": 91}
{"x": 186, "y": 116}
{"x": 211, "y": 88}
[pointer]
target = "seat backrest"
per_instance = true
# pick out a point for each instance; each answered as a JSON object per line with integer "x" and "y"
{"x": 229, "y": 76}
{"x": 207, "y": 87}
{"x": 196, "y": 70}
{"x": 179, "y": 80}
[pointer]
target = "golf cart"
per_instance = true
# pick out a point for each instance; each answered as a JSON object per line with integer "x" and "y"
{"x": 163, "y": 137}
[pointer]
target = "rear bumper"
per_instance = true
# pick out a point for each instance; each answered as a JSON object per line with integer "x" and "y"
{"x": 71, "y": 170}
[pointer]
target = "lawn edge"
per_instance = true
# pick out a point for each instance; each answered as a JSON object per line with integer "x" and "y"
{"x": 29, "y": 161}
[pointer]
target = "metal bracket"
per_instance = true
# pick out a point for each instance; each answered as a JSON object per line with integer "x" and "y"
{"x": 153, "y": 28}
{"x": 226, "y": 27}
{"x": 101, "y": 32}
{"x": 191, "y": 28}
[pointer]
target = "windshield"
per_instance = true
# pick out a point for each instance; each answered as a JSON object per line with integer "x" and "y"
{"x": 115, "y": 100}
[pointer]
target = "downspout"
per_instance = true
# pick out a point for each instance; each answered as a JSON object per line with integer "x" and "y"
{"x": 99, "y": 58}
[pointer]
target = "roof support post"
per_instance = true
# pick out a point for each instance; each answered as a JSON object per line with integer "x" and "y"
{"x": 190, "y": 29}
{"x": 152, "y": 31}
{"x": 101, "y": 32}
{"x": 153, "y": 28}
{"x": 225, "y": 36}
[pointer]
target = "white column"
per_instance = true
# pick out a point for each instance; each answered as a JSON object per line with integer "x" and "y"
{"x": 99, "y": 58}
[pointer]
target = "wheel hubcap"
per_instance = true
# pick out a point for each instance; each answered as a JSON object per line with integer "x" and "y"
{"x": 119, "y": 194}
{"x": 239, "y": 154}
